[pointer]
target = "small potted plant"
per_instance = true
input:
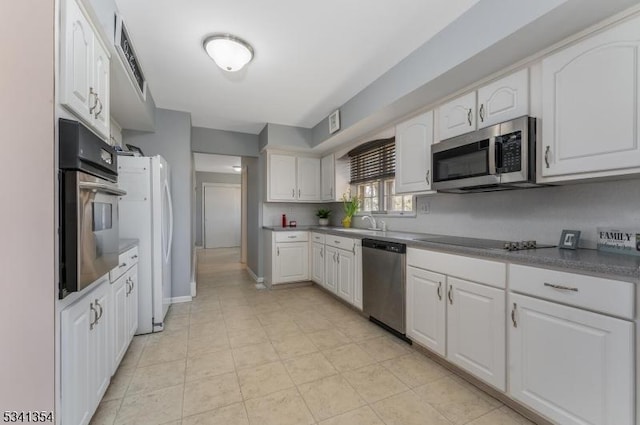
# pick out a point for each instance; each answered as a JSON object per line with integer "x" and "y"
{"x": 351, "y": 205}
{"x": 323, "y": 216}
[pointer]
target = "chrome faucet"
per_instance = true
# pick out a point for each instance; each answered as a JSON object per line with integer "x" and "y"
{"x": 371, "y": 220}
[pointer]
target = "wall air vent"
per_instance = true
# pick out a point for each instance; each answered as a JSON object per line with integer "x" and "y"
{"x": 127, "y": 54}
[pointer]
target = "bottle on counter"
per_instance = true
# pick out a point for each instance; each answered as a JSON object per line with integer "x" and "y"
{"x": 284, "y": 220}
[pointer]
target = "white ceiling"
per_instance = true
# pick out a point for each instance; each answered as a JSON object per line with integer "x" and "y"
{"x": 215, "y": 163}
{"x": 311, "y": 57}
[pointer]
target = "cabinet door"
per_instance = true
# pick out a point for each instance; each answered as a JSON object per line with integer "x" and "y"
{"x": 132, "y": 303}
{"x": 413, "y": 154}
{"x": 327, "y": 173}
{"x": 571, "y": 365}
{"x": 308, "y": 179}
{"x": 457, "y": 117}
{"x": 101, "y": 344}
{"x": 292, "y": 262}
{"x": 426, "y": 319}
{"x": 76, "y": 356}
{"x": 317, "y": 263}
{"x": 331, "y": 269}
{"x": 101, "y": 120}
{"x": 476, "y": 330}
{"x": 76, "y": 62}
{"x": 590, "y": 92}
{"x": 503, "y": 100}
{"x": 120, "y": 291}
{"x": 282, "y": 177}
{"x": 346, "y": 274}
{"x": 357, "y": 284}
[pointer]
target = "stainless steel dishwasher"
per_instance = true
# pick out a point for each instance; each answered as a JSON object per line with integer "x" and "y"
{"x": 383, "y": 283}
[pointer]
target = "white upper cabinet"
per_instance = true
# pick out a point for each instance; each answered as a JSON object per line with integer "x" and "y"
{"x": 590, "y": 95}
{"x": 457, "y": 116}
{"x": 503, "y": 100}
{"x": 308, "y": 179}
{"x": 84, "y": 70}
{"x": 282, "y": 177}
{"x": 293, "y": 178}
{"x": 327, "y": 174}
{"x": 413, "y": 154}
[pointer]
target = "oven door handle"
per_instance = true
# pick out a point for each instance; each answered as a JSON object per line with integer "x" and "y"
{"x": 492, "y": 156}
{"x": 101, "y": 187}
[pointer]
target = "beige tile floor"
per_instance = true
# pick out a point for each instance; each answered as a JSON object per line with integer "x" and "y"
{"x": 238, "y": 355}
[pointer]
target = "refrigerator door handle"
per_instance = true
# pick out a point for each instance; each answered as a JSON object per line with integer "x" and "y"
{"x": 168, "y": 192}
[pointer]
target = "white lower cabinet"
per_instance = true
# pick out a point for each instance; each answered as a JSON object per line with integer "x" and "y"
{"x": 573, "y": 366}
{"x": 357, "y": 283}
{"x": 317, "y": 263}
{"x": 331, "y": 269}
{"x": 125, "y": 313}
{"x": 476, "y": 330}
{"x": 291, "y": 262}
{"x": 132, "y": 302}
{"x": 346, "y": 275}
{"x": 86, "y": 349}
{"x": 426, "y": 316}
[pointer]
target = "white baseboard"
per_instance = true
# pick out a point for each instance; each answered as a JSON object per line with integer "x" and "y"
{"x": 254, "y": 276}
{"x": 176, "y": 300}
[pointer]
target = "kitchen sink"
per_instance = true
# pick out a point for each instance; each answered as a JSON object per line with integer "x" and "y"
{"x": 361, "y": 231}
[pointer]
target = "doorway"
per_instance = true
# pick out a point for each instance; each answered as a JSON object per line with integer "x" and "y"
{"x": 222, "y": 215}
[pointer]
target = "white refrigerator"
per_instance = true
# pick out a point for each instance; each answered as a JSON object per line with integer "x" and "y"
{"x": 146, "y": 214}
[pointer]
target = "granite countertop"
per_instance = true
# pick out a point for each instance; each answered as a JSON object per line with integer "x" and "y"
{"x": 587, "y": 261}
{"x": 127, "y": 244}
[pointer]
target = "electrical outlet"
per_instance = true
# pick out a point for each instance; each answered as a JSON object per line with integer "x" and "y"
{"x": 425, "y": 207}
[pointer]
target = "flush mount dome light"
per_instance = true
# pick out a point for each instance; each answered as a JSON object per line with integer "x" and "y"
{"x": 228, "y": 52}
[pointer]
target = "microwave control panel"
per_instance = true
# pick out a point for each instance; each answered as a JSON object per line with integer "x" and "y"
{"x": 510, "y": 153}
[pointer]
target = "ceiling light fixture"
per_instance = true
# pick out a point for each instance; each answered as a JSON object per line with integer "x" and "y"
{"x": 228, "y": 51}
{"x": 237, "y": 168}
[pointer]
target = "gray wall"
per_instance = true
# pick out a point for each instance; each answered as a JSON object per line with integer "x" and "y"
{"x": 254, "y": 215}
{"x": 303, "y": 214}
{"x": 208, "y": 140}
{"x": 276, "y": 135}
{"x": 437, "y": 68}
{"x": 202, "y": 177}
{"x": 539, "y": 214}
{"x": 172, "y": 140}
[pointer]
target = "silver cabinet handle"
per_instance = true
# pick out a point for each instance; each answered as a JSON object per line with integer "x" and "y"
{"x": 293, "y": 193}
{"x": 100, "y": 110}
{"x": 122, "y": 265}
{"x": 513, "y": 315}
{"x": 133, "y": 257}
{"x": 334, "y": 257}
{"x": 291, "y": 237}
{"x": 321, "y": 253}
{"x": 469, "y": 117}
{"x": 337, "y": 242}
{"x": 299, "y": 193}
{"x": 561, "y": 287}
{"x": 278, "y": 251}
{"x": 95, "y": 102}
{"x": 101, "y": 311}
{"x": 440, "y": 291}
{"x": 426, "y": 177}
{"x": 338, "y": 258}
{"x": 481, "y": 112}
{"x": 92, "y": 323}
{"x": 547, "y": 153}
{"x": 128, "y": 282}
{"x": 450, "y": 295}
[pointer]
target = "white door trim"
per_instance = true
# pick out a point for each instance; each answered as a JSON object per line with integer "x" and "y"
{"x": 205, "y": 184}
{"x": 243, "y": 209}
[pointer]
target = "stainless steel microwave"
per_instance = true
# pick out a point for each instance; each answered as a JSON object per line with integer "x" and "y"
{"x": 499, "y": 157}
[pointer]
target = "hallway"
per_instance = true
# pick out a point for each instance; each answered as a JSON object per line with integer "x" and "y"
{"x": 238, "y": 355}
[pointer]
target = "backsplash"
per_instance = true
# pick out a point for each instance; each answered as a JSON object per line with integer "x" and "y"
{"x": 539, "y": 214}
{"x": 304, "y": 214}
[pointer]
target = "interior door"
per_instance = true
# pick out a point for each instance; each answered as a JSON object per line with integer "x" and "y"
{"x": 222, "y": 216}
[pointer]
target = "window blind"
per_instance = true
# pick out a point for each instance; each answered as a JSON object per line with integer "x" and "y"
{"x": 373, "y": 160}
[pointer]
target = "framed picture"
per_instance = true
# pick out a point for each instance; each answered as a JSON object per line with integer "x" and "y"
{"x": 334, "y": 121}
{"x": 135, "y": 149}
{"x": 569, "y": 239}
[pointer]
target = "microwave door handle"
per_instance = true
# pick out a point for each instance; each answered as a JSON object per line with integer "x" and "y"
{"x": 100, "y": 187}
{"x": 498, "y": 155}
{"x": 492, "y": 156}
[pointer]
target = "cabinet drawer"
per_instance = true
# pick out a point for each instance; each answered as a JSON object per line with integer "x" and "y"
{"x": 594, "y": 293}
{"x": 292, "y": 236}
{"x": 490, "y": 273}
{"x": 317, "y": 237}
{"x": 125, "y": 261}
{"x": 340, "y": 242}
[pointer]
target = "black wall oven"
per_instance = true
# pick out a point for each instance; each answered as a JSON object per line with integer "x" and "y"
{"x": 89, "y": 238}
